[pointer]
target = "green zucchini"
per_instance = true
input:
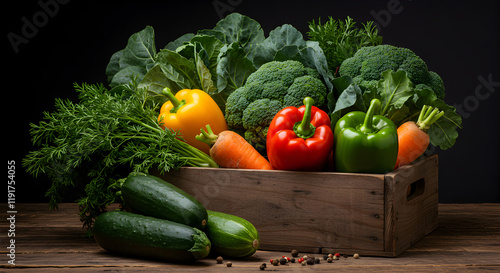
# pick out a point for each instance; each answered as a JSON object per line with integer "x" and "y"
{"x": 148, "y": 237}
{"x": 231, "y": 236}
{"x": 153, "y": 196}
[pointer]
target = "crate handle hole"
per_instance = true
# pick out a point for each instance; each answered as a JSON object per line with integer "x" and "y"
{"x": 415, "y": 189}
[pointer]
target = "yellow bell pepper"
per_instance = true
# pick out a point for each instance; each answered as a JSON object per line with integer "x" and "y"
{"x": 189, "y": 111}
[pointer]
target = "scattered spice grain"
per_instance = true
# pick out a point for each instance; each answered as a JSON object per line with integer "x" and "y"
{"x": 219, "y": 259}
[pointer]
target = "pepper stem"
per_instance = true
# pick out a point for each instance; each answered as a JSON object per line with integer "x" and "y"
{"x": 305, "y": 129}
{"x": 175, "y": 102}
{"x": 367, "y": 126}
{"x": 428, "y": 116}
{"x": 208, "y": 136}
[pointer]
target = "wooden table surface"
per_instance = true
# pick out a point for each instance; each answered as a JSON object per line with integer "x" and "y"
{"x": 466, "y": 240}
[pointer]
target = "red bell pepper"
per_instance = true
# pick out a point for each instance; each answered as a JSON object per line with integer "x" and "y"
{"x": 300, "y": 138}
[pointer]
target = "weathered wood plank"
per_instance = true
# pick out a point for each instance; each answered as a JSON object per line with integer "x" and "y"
{"x": 368, "y": 213}
{"x": 351, "y": 269}
{"x": 411, "y": 204}
{"x": 304, "y": 210}
{"x": 467, "y": 240}
{"x": 415, "y": 259}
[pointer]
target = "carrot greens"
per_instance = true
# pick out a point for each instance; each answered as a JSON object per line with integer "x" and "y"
{"x": 100, "y": 139}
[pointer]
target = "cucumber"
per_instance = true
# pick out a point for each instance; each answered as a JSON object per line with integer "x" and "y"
{"x": 231, "y": 236}
{"x": 143, "y": 236}
{"x": 153, "y": 196}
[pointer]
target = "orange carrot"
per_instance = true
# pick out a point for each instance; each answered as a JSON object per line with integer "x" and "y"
{"x": 413, "y": 138}
{"x": 230, "y": 150}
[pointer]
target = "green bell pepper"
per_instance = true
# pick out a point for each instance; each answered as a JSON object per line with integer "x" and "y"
{"x": 365, "y": 143}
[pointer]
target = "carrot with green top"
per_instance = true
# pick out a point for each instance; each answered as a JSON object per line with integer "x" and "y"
{"x": 230, "y": 150}
{"x": 413, "y": 139}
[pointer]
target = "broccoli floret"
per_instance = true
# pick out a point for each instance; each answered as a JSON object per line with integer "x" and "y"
{"x": 301, "y": 88}
{"x": 435, "y": 83}
{"x": 234, "y": 108}
{"x": 274, "y": 86}
{"x": 368, "y": 63}
{"x": 257, "y": 117}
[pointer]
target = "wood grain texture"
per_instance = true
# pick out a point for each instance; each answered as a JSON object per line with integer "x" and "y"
{"x": 366, "y": 213}
{"x": 467, "y": 239}
{"x": 411, "y": 204}
{"x": 318, "y": 210}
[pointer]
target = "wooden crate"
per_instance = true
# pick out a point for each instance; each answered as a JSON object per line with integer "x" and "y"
{"x": 324, "y": 212}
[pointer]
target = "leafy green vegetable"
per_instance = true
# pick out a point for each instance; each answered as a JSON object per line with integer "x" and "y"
{"x": 217, "y": 60}
{"x": 161, "y": 76}
{"x": 233, "y": 69}
{"x": 100, "y": 139}
{"x": 134, "y": 60}
{"x": 394, "y": 90}
{"x": 236, "y": 28}
{"x": 281, "y": 38}
{"x": 182, "y": 65}
{"x": 351, "y": 99}
{"x": 287, "y": 43}
{"x": 340, "y": 40}
{"x": 401, "y": 102}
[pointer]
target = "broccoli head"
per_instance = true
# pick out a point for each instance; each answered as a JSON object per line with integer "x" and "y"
{"x": 368, "y": 63}
{"x": 274, "y": 86}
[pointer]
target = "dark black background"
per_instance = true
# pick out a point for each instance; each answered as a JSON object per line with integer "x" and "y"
{"x": 459, "y": 40}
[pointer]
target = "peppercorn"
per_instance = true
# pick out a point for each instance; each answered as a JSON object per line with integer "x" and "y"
{"x": 275, "y": 262}
{"x": 335, "y": 257}
{"x": 330, "y": 255}
{"x": 330, "y": 260}
{"x": 295, "y": 253}
{"x": 345, "y": 256}
{"x": 300, "y": 260}
{"x": 219, "y": 259}
{"x": 229, "y": 264}
{"x": 310, "y": 261}
{"x": 283, "y": 261}
{"x": 316, "y": 261}
{"x": 305, "y": 257}
{"x": 262, "y": 266}
{"x": 355, "y": 256}
{"x": 292, "y": 260}
{"x": 304, "y": 263}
